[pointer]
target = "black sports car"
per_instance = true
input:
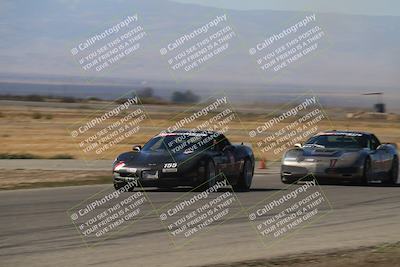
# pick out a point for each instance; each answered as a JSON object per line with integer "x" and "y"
{"x": 185, "y": 158}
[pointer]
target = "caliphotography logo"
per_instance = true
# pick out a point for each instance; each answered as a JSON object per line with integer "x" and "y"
{"x": 199, "y": 133}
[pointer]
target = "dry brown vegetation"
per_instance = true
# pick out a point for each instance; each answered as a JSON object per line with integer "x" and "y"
{"x": 44, "y": 130}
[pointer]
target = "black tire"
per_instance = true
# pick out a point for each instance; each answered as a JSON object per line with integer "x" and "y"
{"x": 118, "y": 186}
{"x": 287, "y": 181}
{"x": 244, "y": 182}
{"x": 166, "y": 187}
{"x": 394, "y": 171}
{"x": 367, "y": 172}
{"x": 209, "y": 179}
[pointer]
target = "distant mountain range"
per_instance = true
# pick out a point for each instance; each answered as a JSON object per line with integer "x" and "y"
{"x": 359, "y": 53}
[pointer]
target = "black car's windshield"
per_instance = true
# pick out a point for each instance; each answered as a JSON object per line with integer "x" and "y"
{"x": 179, "y": 143}
{"x": 338, "y": 141}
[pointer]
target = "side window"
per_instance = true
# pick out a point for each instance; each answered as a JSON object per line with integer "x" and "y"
{"x": 374, "y": 142}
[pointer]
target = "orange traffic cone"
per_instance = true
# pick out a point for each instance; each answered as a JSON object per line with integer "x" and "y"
{"x": 262, "y": 164}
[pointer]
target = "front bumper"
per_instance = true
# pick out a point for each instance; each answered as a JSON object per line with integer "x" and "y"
{"x": 162, "y": 179}
{"x": 291, "y": 171}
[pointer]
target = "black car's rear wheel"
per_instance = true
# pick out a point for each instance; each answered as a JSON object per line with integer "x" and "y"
{"x": 244, "y": 182}
{"x": 394, "y": 171}
{"x": 210, "y": 174}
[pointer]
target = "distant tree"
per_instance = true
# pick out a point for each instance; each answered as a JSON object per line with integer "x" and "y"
{"x": 93, "y": 98}
{"x": 68, "y": 99}
{"x": 146, "y": 92}
{"x": 36, "y": 98}
{"x": 184, "y": 97}
{"x": 120, "y": 100}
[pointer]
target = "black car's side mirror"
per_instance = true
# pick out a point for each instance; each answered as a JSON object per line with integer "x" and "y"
{"x": 137, "y": 148}
{"x": 381, "y": 147}
{"x": 228, "y": 148}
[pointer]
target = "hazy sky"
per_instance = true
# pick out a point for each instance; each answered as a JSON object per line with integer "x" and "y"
{"x": 37, "y": 37}
{"x": 366, "y": 7}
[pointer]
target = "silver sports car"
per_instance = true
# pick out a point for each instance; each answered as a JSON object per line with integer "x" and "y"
{"x": 344, "y": 155}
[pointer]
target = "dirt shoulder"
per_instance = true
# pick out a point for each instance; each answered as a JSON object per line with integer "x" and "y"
{"x": 18, "y": 179}
{"x": 386, "y": 255}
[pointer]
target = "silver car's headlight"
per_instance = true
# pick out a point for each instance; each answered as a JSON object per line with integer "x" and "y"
{"x": 293, "y": 155}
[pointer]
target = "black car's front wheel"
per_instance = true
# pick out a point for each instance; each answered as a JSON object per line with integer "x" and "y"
{"x": 286, "y": 180}
{"x": 244, "y": 182}
{"x": 209, "y": 179}
{"x": 119, "y": 186}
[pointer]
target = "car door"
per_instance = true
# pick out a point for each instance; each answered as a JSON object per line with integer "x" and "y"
{"x": 378, "y": 155}
{"x": 225, "y": 155}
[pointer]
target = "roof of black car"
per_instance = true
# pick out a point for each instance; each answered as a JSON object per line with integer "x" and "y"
{"x": 339, "y": 132}
{"x": 187, "y": 132}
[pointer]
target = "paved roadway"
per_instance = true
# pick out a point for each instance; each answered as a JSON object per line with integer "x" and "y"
{"x": 36, "y": 231}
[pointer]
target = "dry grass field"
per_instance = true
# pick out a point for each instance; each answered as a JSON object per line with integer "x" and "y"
{"x": 44, "y": 129}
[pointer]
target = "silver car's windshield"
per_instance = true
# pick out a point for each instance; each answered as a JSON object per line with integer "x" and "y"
{"x": 338, "y": 141}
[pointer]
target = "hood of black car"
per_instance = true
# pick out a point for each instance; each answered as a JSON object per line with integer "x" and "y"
{"x": 151, "y": 159}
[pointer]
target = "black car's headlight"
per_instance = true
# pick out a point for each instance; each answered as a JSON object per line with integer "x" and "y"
{"x": 117, "y": 165}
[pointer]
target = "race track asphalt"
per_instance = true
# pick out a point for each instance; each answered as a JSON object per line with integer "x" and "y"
{"x": 37, "y": 231}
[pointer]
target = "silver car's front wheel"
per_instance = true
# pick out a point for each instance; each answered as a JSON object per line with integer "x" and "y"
{"x": 368, "y": 174}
